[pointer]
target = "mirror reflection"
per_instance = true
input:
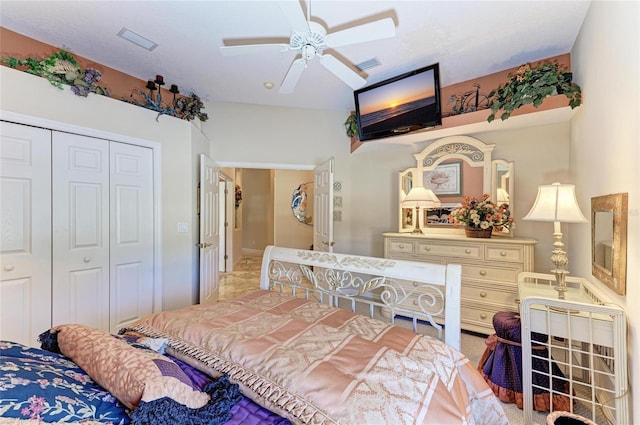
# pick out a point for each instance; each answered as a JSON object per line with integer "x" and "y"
{"x": 603, "y": 239}
{"x": 302, "y": 203}
{"x": 502, "y": 176}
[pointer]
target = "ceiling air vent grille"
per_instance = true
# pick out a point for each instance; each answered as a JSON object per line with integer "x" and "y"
{"x": 368, "y": 64}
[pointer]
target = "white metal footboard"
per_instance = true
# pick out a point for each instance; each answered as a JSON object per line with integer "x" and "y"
{"x": 346, "y": 281}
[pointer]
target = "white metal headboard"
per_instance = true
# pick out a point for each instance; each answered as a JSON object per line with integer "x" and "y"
{"x": 409, "y": 289}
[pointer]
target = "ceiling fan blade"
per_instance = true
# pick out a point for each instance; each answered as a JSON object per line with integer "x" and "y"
{"x": 295, "y": 15}
{"x": 249, "y": 49}
{"x": 376, "y": 30}
{"x": 342, "y": 71}
{"x": 292, "y": 77}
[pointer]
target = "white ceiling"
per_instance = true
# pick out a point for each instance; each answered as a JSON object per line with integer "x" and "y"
{"x": 468, "y": 38}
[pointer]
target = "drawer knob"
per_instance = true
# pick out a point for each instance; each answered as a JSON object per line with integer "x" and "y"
{"x": 483, "y": 272}
{"x": 401, "y": 246}
{"x": 8, "y": 268}
{"x": 415, "y": 303}
{"x": 467, "y": 251}
{"x": 503, "y": 254}
{"x": 483, "y": 316}
{"x": 483, "y": 294}
{"x": 87, "y": 259}
{"x": 427, "y": 248}
{"x": 416, "y": 284}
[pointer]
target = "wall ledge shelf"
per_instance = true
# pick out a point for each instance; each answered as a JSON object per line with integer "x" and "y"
{"x": 553, "y": 110}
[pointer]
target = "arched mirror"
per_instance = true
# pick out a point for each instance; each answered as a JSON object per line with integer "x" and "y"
{"x": 453, "y": 167}
{"x": 302, "y": 203}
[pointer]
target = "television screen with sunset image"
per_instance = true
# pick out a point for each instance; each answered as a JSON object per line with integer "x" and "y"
{"x": 399, "y": 105}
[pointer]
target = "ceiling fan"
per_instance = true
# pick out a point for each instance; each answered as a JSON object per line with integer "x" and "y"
{"x": 310, "y": 38}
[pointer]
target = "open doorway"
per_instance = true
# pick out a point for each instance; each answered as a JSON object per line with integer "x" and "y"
{"x": 264, "y": 215}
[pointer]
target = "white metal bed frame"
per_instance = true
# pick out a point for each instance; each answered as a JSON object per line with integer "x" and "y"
{"x": 408, "y": 289}
{"x": 590, "y": 334}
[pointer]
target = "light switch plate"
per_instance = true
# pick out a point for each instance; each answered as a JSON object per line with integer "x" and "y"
{"x": 183, "y": 227}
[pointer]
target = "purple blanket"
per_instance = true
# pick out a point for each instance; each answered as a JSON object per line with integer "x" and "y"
{"x": 246, "y": 412}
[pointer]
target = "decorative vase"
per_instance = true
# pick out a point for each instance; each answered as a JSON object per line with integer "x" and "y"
{"x": 474, "y": 232}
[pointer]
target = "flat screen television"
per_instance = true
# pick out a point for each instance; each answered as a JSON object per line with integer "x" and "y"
{"x": 400, "y": 104}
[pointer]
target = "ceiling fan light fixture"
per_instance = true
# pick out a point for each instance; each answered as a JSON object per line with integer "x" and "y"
{"x": 137, "y": 39}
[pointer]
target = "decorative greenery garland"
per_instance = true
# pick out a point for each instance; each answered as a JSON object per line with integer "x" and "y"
{"x": 531, "y": 85}
{"x": 62, "y": 68}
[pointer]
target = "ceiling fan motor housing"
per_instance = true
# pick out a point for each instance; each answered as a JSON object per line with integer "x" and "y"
{"x": 311, "y": 43}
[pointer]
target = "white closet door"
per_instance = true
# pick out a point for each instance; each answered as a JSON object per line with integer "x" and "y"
{"x": 80, "y": 230}
{"x": 25, "y": 232}
{"x": 131, "y": 206}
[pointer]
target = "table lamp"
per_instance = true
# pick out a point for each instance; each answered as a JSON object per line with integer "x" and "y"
{"x": 419, "y": 197}
{"x": 557, "y": 203}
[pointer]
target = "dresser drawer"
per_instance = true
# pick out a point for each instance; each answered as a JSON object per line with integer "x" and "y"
{"x": 472, "y": 252}
{"x": 478, "y": 317}
{"x": 489, "y": 294}
{"x": 513, "y": 254}
{"x": 400, "y": 246}
{"x": 490, "y": 273}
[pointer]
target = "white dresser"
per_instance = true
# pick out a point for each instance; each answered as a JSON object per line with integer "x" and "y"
{"x": 490, "y": 269}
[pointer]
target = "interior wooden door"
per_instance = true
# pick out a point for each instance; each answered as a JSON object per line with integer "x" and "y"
{"x": 80, "y": 230}
{"x": 323, "y": 207}
{"x": 131, "y": 216}
{"x": 25, "y": 232}
{"x": 209, "y": 231}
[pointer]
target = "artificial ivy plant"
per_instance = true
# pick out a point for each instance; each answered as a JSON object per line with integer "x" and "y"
{"x": 530, "y": 85}
{"x": 351, "y": 125}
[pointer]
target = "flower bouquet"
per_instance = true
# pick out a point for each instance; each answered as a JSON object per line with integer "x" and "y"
{"x": 480, "y": 217}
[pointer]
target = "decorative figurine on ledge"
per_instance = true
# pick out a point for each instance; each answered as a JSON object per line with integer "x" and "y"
{"x": 186, "y": 108}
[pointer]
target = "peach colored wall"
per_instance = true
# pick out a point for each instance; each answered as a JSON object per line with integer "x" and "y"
{"x": 119, "y": 84}
{"x": 488, "y": 83}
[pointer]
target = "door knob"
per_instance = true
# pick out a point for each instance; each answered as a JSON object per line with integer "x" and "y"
{"x": 203, "y": 245}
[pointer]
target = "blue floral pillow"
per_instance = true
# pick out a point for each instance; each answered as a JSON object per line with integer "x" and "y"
{"x": 38, "y": 384}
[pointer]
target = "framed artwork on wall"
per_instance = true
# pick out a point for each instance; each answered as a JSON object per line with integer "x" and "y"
{"x": 445, "y": 179}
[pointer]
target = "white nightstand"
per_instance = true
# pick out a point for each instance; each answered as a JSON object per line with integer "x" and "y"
{"x": 587, "y": 339}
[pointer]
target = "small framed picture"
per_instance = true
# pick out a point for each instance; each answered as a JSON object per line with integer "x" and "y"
{"x": 445, "y": 179}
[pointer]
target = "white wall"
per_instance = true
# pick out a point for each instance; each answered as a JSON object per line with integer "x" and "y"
{"x": 605, "y": 139}
{"x": 254, "y": 136}
{"x": 30, "y": 95}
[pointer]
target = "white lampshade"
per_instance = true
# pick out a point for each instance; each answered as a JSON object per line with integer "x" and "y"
{"x": 418, "y": 196}
{"x": 502, "y": 196}
{"x": 556, "y": 202}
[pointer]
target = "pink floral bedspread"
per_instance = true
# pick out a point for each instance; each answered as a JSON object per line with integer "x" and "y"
{"x": 315, "y": 364}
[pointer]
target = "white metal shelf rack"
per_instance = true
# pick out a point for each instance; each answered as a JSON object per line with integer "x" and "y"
{"x": 587, "y": 339}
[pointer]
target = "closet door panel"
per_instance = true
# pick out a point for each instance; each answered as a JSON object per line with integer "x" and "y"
{"x": 132, "y": 219}
{"x": 25, "y": 232}
{"x": 80, "y": 230}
